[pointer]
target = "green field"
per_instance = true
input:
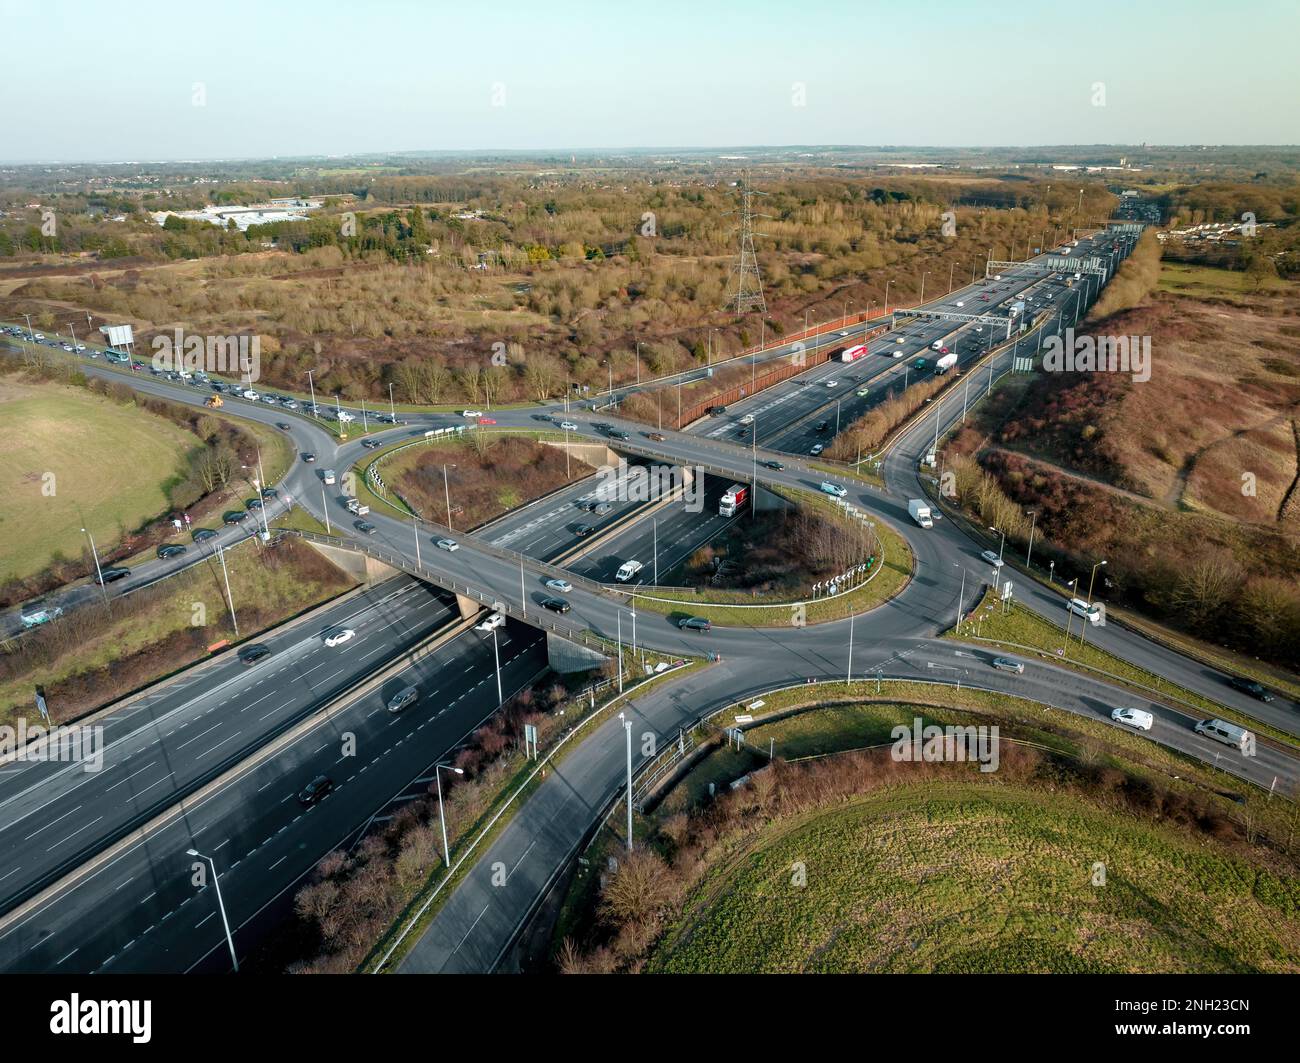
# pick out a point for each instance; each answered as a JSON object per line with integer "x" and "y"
{"x": 1208, "y": 282}
{"x": 75, "y": 460}
{"x": 982, "y": 877}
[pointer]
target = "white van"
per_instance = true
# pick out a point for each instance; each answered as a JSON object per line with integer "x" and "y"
{"x": 936, "y": 345}
{"x": 1227, "y": 733}
{"x": 627, "y": 570}
{"x": 1091, "y": 613}
{"x": 328, "y": 476}
{"x": 1138, "y": 718}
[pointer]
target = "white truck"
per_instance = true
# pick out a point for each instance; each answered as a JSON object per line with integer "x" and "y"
{"x": 357, "y": 507}
{"x": 919, "y": 510}
{"x": 945, "y": 363}
{"x": 627, "y": 570}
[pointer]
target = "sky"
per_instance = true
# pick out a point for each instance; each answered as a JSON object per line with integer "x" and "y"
{"x": 142, "y": 80}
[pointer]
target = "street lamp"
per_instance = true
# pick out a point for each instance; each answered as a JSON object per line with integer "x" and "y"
{"x": 446, "y": 487}
{"x": 627, "y": 727}
{"x": 1032, "y": 525}
{"x": 442, "y": 814}
{"x": 1004, "y": 540}
{"x": 216, "y": 882}
{"x": 922, "y": 299}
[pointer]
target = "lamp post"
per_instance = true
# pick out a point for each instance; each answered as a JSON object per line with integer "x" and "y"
{"x": 392, "y": 409}
{"x": 1083, "y": 626}
{"x": 442, "y": 814}
{"x": 99, "y": 572}
{"x": 311, "y": 387}
{"x": 446, "y": 487}
{"x": 1003, "y": 544}
{"x": 1033, "y": 524}
{"x": 216, "y": 882}
{"x": 627, "y": 727}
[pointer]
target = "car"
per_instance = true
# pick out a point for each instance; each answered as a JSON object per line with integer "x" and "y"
{"x": 655, "y": 437}
{"x": 450, "y": 545}
{"x": 371, "y": 444}
{"x": 898, "y": 354}
{"x": 817, "y": 448}
{"x": 39, "y": 336}
{"x": 600, "y": 509}
{"x": 822, "y": 426}
{"x": 402, "y": 699}
{"x": 112, "y": 574}
{"x": 1139, "y": 718}
{"x": 202, "y": 535}
{"x": 270, "y": 492}
{"x": 1251, "y": 687}
{"x": 841, "y": 334}
{"x": 253, "y": 654}
{"x": 834, "y": 489}
{"x": 494, "y": 621}
{"x": 486, "y": 420}
{"x": 170, "y": 550}
{"x": 776, "y": 466}
{"x": 309, "y": 457}
{"x": 556, "y": 605}
{"x": 960, "y": 303}
{"x": 568, "y": 426}
{"x": 616, "y": 434}
{"x": 290, "y": 404}
{"x": 364, "y": 527}
{"x": 234, "y": 516}
{"x": 898, "y": 339}
{"x": 695, "y": 623}
{"x": 471, "y": 413}
{"x": 254, "y": 503}
{"x": 283, "y": 426}
{"x": 863, "y": 392}
{"x": 832, "y": 383}
{"x": 339, "y": 636}
{"x": 561, "y": 585}
{"x": 1006, "y": 664}
{"x": 316, "y": 790}
{"x": 991, "y": 557}
{"x": 583, "y": 530}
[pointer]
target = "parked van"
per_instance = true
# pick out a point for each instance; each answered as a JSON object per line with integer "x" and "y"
{"x": 1091, "y": 613}
{"x": 1227, "y": 733}
{"x": 402, "y": 698}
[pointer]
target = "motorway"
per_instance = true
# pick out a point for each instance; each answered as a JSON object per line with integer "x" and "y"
{"x": 139, "y": 909}
{"x": 156, "y": 749}
{"x": 898, "y": 637}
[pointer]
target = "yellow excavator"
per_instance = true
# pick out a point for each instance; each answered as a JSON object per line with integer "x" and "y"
{"x": 214, "y": 402}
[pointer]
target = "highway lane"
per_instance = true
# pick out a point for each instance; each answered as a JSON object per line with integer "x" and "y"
{"x": 663, "y": 541}
{"x": 54, "y": 815}
{"x": 140, "y": 910}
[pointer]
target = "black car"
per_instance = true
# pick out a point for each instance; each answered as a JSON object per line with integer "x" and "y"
{"x": 365, "y": 527}
{"x": 309, "y": 458}
{"x": 371, "y": 444}
{"x": 254, "y": 503}
{"x": 619, "y": 435}
{"x": 253, "y": 654}
{"x": 234, "y": 516}
{"x": 282, "y": 425}
{"x": 823, "y": 426}
{"x": 172, "y": 550}
{"x": 316, "y": 790}
{"x": 695, "y": 623}
{"x": 202, "y": 535}
{"x": 110, "y": 575}
{"x": 555, "y": 605}
{"x": 1249, "y": 686}
{"x": 583, "y": 530}
{"x": 778, "y": 466}
{"x": 270, "y": 492}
